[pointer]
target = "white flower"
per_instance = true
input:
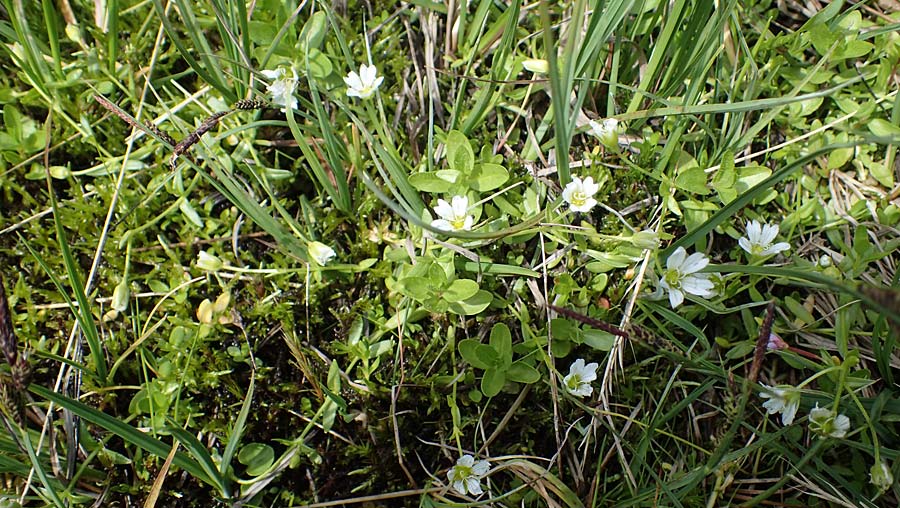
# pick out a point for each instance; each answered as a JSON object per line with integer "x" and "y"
{"x": 364, "y": 84}
{"x": 208, "y": 262}
{"x": 758, "y": 241}
{"x": 784, "y": 399}
{"x": 466, "y": 475}
{"x": 881, "y": 477}
{"x": 537, "y": 66}
{"x": 282, "y": 87}
{"x": 580, "y": 195}
{"x": 607, "y": 131}
{"x": 578, "y": 382}
{"x": 453, "y": 217}
{"x": 824, "y": 422}
{"x": 320, "y": 252}
{"x": 681, "y": 276}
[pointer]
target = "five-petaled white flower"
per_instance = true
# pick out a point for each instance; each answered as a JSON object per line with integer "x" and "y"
{"x": 578, "y": 382}
{"x": 320, "y": 252}
{"x": 607, "y": 131}
{"x": 826, "y": 423}
{"x": 758, "y": 241}
{"x": 681, "y": 276}
{"x": 364, "y": 84}
{"x": 465, "y": 476}
{"x": 453, "y": 217}
{"x": 282, "y": 87}
{"x": 580, "y": 194}
{"x": 784, "y": 399}
{"x": 880, "y": 476}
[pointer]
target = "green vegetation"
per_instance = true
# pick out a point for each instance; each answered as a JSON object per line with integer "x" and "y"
{"x": 578, "y": 254}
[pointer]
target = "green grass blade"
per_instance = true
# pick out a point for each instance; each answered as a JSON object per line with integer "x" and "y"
{"x": 128, "y": 433}
{"x": 234, "y": 437}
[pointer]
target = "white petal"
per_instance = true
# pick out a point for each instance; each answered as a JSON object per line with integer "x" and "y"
{"x": 442, "y": 224}
{"x": 676, "y": 258}
{"x": 583, "y": 390}
{"x": 444, "y": 210}
{"x": 754, "y": 231}
{"x": 584, "y": 207}
{"x": 676, "y": 297}
{"x": 474, "y": 486}
{"x": 694, "y": 263}
{"x": 745, "y": 244}
{"x": 576, "y": 367}
{"x": 775, "y": 249}
{"x": 589, "y": 187}
{"x": 272, "y": 73}
{"x": 459, "y": 486}
{"x": 467, "y": 224}
{"x": 466, "y": 460}
{"x": 790, "y": 410}
{"x": 353, "y": 81}
{"x": 697, "y": 286}
{"x": 460, "y": 206}
{"x": 481, "y": 468}
{"x": 768, "y": 234}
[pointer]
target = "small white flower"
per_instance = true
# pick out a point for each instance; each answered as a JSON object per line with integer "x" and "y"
{"x": 364, "y": 84}
{"x": 320, "y": 252}
{"x": 681, "y": 276}
{"x": 465, "y": 476}
{"x": 580, "y": 194}
{"x": 537, "y": 66}
{"x": 578, "y": 382}
{"x": 453, "y": 217}
{"x": 607, "y": 131}
{"x": 824, "y": 422}
{"x": 758, "y": 241}
{"x": 880, "y": 476}
{"x": 208, "y": 262}
{"x": 784, "y": 399}
{"x": 282, "y": 87}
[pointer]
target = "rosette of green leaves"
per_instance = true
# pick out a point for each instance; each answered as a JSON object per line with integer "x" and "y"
{"x": 496, "y": 359}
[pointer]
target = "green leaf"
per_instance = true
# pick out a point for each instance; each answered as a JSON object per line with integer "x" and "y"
{"x": 883, "y": 128}
{"x": 520, "y": 372}
{"x": 599, "y": 340}
{"x": 493, "y": 382}
{"x": 724, "y": 179}
{"x": 257, "y": 457}
{"x": 468, "y": 348}
{"x": 459, "y": 290}
{"x": 430, "y": 182}
{"x": 501, "y": 341}
{"x": 314, "y": 31}
{"x": 459, "y": 152}
{"x": 692, "y": 180}
{"x": 417, "y": 288}
{"x": 562, "y": 328}
{"x": 751, "y": 176}
{"x": 473, "y": 305}
{"x": 488, "y": 177}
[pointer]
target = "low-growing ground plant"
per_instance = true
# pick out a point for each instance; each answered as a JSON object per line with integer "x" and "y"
{"x": 580, "y": 254}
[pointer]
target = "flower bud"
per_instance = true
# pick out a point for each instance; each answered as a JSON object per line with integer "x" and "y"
{"x": 320, "y": 252}
{"x": 607, "y": 131}
{"x": 645, "y": 239}
{"x": 208, "y": 262}
{"x": 536, "y": 65}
